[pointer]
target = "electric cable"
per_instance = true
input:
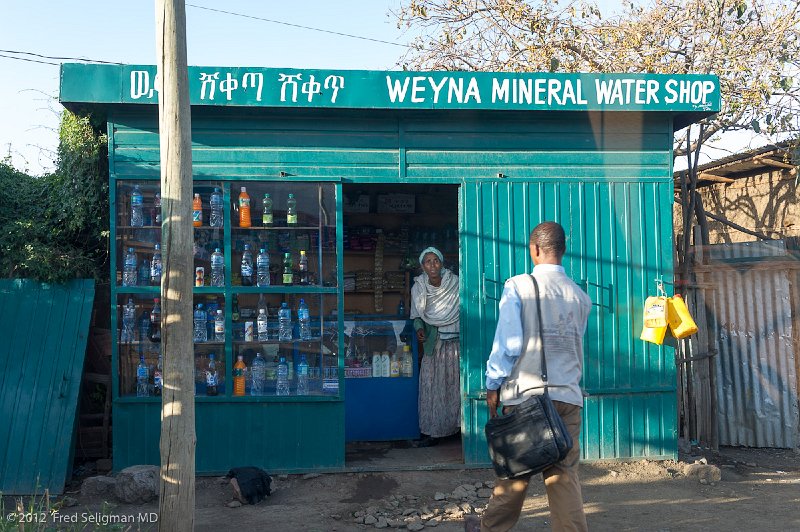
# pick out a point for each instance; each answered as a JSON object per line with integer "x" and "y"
{"x": 300, "y": 26}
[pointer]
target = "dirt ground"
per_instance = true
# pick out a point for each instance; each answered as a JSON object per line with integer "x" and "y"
{"x": 759, "y": 490}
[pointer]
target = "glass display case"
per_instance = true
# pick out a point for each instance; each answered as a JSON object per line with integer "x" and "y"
{"x": 266, "y": 288}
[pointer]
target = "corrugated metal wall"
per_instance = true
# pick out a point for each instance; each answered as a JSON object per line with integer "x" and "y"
{"x": 44, "y": 329}
{"x": 619, "y": 240}
{"x": 607, "y": 177}
{"x": 756, "y": 368}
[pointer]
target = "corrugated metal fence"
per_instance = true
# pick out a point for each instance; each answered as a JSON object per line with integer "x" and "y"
{"x": 751, "y": 294}
{"x": 44, "y": 330}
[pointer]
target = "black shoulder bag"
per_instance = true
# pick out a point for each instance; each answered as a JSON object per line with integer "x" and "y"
{"x": 533, "y": 436}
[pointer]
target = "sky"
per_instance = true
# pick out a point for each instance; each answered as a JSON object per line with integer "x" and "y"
{"x": 124, "y": 32}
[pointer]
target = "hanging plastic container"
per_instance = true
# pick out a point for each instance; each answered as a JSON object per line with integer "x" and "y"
{"x": 654, "y": 335}
{"x": 655, "y": 312}
{"x": 680, "y": 321}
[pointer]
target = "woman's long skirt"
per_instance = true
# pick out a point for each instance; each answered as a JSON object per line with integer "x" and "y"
{"x": 440, "y": 390}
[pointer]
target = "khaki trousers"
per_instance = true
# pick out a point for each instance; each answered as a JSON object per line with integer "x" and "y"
{"x": 561, "y": 482}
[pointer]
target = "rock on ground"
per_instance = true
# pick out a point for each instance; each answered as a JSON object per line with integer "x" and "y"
{"x": 703, "y": 472}
{"x": 137, "y": 484}
{"x": 98, "y": 486}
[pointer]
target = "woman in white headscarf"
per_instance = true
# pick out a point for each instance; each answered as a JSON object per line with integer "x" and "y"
{"x": 435, "y": 311}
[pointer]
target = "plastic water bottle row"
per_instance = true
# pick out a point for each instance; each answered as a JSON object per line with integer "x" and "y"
{"x": 285, "y": 324}
{"x": 201, "y": 323}
{"x": 216, "y": 217}
{"x": 148, "y": 273}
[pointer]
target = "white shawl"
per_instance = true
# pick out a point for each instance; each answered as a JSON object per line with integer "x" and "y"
{"x": 436, "y": 305}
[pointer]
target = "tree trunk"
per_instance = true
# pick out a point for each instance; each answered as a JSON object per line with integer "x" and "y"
{"x": 176, "y": 502}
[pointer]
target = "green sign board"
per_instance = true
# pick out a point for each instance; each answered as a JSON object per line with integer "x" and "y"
{"x": 360, "y": 89}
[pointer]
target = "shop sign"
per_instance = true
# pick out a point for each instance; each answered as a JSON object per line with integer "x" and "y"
{"x": 270, "y": 87}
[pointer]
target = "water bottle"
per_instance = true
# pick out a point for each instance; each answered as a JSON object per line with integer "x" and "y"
{"x": 304, "y": 319}
{"x": 239, "y": 377}
{"x": 212, "y": 379}
{"x": 266, "y": 218}
{"x": 291, "y": 210}
{"x": 282, "y": 386}
{"x": 285, "y": 323}
{"x": 219, "y": 327}
{"x": 155, "y": 321}
{"x": 200, "y": 331}
{"x": 217, "y": 268}
{"x": 303, "y": 265}
{"x": 144, "y": 326}
{"x": 156, "y": 266}
{"x": 128, "y": 319}
{"x": 137, "y": 214}
{"x": 259, "y": 371}
{"x": 142, "y": 376}
{"x": 408, "y": 362}
{"x": 144, "y": 273}
{"x": 401, "y": 309}
{"x": 262, "y": 326}
{"x": 211, "y": 315}
{"x": 158, "y": 381}
{"x": 302, "y": 376}
{"x": 262, "y": 267}
{"x": 215, "y": 220}
{"x": 129, "y": 268}
{"x": 156, "y": 213}
{"x": 288, "y": 274}
{"x": 247, "y": 266}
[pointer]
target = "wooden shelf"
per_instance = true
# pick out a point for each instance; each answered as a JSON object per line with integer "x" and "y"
{"x": 388, "y": 291}
{"x": 281, "y": 228}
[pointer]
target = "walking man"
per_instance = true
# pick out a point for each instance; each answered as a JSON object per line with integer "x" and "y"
{"x": 514, "y": 365}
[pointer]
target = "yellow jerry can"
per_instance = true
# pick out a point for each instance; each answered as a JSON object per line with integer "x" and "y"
{"x": 680, "y": 321}
{"x": 655, "y": 312}
{"x": 653, "y": 335}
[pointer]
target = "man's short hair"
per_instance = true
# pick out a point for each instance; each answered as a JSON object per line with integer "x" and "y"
{"x": 550, "y": 237}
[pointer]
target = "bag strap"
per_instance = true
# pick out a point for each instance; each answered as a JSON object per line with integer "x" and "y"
{"x": 541, "y": 334}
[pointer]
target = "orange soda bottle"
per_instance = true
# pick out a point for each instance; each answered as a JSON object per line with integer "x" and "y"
{"x": 197, "y": 211}
{"x": 244, "y": 208}
{"x": 238, "y": 376}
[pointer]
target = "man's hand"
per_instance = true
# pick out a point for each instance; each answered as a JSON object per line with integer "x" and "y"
{"x": 493, "y": 402}
{"x": 421, "y": 335}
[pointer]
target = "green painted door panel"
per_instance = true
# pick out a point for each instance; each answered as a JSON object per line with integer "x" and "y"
{"x": 44, "y": 330}
{"x": 278, "y": 437}
{"x": 619, "y": 238}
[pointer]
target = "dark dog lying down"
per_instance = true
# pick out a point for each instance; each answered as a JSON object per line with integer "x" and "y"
{"x": 250, "y": 484}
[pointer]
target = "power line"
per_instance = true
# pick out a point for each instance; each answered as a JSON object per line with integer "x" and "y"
{"x": 282, "y": 23}
{"x": 29, "y": 60}
{"x": 59, "y": 58}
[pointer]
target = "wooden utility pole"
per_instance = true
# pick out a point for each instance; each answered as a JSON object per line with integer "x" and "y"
{"x": 176, "y": 502}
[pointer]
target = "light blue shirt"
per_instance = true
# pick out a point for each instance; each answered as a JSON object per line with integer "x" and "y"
{"x": 507, "y": 344}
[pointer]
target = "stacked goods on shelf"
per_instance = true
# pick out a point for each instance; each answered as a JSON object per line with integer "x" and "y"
{"x": 363, "y": 280}
{"x": 394, "y": 280}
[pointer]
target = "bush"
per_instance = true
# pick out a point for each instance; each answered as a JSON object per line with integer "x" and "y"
{"x": 54, "y": 227}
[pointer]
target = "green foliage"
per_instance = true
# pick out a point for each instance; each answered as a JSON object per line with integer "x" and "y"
{"x": 54, "y": 227}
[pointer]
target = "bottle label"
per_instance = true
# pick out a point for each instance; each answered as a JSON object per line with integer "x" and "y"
{"x": 211, "y": 378}
{"x": 291, "y": 219}
{"x": 219, "y": 328}
{"x": 197, "y": 216}
{"x": 287, "y": 278}
{"x": 247, "y": 271}
{"x": 157, "y": 379}
{"x": 267, "y": 219}
{"x": 244, "y": 202}
{"x": 141, "y": 372}
{"x": 136, "y": 200}
{"x": 238, "y": 372}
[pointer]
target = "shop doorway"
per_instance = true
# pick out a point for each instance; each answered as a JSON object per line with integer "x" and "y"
{"x": 385, "y": 229}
